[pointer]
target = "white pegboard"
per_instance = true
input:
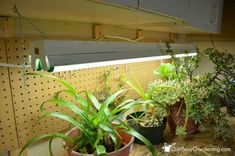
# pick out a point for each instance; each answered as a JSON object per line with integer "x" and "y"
{"x": 8, "y": 136}
{"x": 26, "y": 103}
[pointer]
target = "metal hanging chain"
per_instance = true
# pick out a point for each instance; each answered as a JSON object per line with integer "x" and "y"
{"x": 22, "y": 48}
{"x": 16, "y": 11}
{"x": 21, "y": 18}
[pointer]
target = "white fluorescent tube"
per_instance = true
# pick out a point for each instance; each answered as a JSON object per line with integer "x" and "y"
{"x": 116, "y": 62}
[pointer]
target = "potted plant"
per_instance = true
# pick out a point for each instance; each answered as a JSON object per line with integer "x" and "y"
{"x": 173, "y": 91}
{"x": 229, "y": 98}
{"x": 151, "y": 121}
{"x": 94, "y": 132}
{"x": 224, "y": 75}
{"x": 200, "y": 95}
{"x": 209, "y": 89}
{"x": 170, "y": 96}
{"x": 106, "y": 90}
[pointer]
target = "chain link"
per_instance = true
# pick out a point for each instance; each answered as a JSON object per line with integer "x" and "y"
{"x": 41, "y": 33}
{"x": 21, "y": 18}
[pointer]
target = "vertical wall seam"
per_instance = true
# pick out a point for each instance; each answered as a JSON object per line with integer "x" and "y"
{"x": 12, "y": 101}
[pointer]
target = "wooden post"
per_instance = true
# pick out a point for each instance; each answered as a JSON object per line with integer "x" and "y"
{"x": 139, "y": 33}
{"x": 6, "y": 27}
{"x": 97, "y": 31}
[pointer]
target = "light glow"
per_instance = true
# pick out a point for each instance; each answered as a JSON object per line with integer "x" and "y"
{"x": 116, "y": 62}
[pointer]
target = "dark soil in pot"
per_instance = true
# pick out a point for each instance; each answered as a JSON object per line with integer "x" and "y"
{"x": 176, "y": 117}
{"x": 153, "y": 134}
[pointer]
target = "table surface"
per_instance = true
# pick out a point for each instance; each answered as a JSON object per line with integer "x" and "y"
{"x": 202, "y": 140}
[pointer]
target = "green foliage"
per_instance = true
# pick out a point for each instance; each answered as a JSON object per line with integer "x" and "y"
{"x": 149, "y": 119}
{"x": 224, "y": 71}
{"x": 95, "y": 123}
{"x": 165, "y": 93}
{"x": 224, "y": 63}
{"x": 154, "y": 113}
{"x": 165, "y": 71}
{"x": 136, "y": 86}
{"x": 105, "y": 90}
{"x": 224, "y": 68}
{"x": 181, "y": 131}
{"x": 222, "y": 129}
{"x": 175, "y": 78}
{"x": 200, "y": 93}
{"x": 184, "y": 66}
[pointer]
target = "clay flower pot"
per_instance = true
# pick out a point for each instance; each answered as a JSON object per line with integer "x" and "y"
{"x": 176, "y": 117}
{"x": 124, "y": 151}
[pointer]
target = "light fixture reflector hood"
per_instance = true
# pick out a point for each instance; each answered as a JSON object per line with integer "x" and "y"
{"x": 54, "y": 53}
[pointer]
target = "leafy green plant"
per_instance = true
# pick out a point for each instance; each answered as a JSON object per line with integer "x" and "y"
{"x": 184, "y": 66}
{"x": 153, "y": 114}
{"x": 201, "y": 93}
{"x": 166, "y": 93}
{"x": 224, "y": 66}
{"x": 165, "y": 71}
{"x": 95, "y": 123}
{"x": 103, "y": 92}
{"x": 181, "y": 131}
{"x": 221, "y": 81}
{"x": 224, "y": 70}
{"x": 173, "y": 86}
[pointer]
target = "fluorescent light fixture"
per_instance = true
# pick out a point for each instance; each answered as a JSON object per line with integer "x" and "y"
{"x": 116, "y": 62}
{"x": 63, "y": 55}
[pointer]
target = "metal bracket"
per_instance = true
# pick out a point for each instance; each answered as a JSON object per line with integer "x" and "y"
{"x": 38, "y": 58}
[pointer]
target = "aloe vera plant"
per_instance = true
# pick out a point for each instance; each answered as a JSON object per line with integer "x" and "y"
{"x": 95, "y": 122}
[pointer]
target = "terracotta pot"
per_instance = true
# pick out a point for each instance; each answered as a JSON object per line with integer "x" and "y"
{"x": 124, "y": 151}
{"x": 176, "y": 117}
